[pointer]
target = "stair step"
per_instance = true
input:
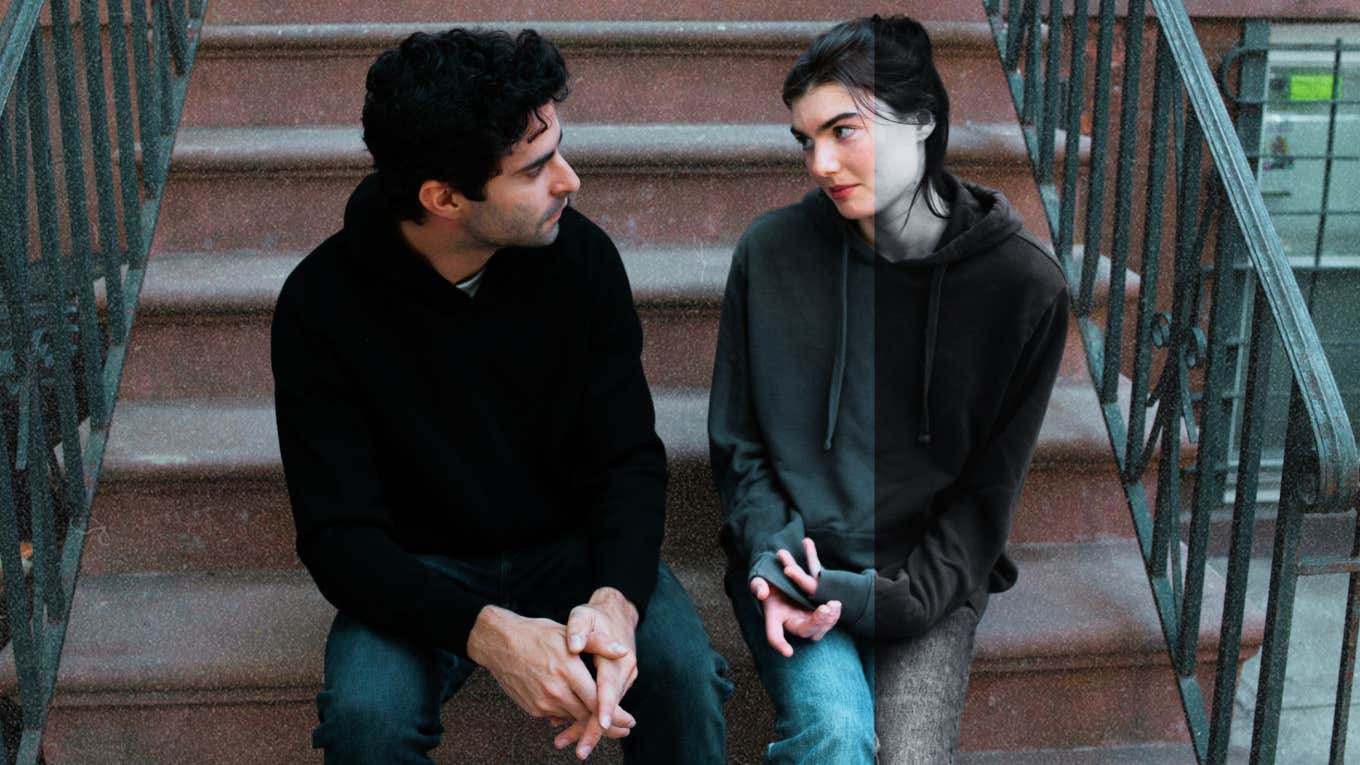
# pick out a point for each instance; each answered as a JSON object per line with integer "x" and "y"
{"x": 491, "y": 12}
{"x": 622, "y": 71}
{"x": 203, "y": 320}
{"x": 222, "y": 667}
{"x": 657, "y": 185}
{"x": 196, "y": 484}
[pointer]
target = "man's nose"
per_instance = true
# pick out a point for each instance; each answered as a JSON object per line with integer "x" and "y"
{"x": 568, "y": 182}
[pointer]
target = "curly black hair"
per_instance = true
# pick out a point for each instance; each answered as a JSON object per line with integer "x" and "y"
{"x": 449, "y": 106}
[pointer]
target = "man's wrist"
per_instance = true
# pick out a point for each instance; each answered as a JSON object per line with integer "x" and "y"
{"x": 488, "y": 631}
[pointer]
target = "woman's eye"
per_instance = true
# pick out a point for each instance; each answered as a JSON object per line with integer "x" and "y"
{"x": 803, "y": 143}
{"x": 537, "y": 171}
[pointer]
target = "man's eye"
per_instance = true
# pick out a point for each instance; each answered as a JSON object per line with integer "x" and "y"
{"x": 843, "y": 131}
{"x": 537, "y": 171}
{"x": 803, "y": 142}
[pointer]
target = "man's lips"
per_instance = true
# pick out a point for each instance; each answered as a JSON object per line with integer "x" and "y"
{"x": 841, "y": 192}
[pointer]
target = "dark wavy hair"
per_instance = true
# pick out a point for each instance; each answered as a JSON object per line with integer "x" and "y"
{"x": 889, "y": 59}
{"x": 448, "y": 107}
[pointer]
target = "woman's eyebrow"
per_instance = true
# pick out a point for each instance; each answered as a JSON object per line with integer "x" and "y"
{"x": 824, "y": 125}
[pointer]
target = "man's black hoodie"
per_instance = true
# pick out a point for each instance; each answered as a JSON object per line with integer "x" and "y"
{"x": 887, "y": 410}
{"x": 416, "y": 419}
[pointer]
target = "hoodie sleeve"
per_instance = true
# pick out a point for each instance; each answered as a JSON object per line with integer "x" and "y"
{"x": 344, "y": 527}
{"x": 959, "y": 550}
{"x": 757, "y": 517}
{"x": 625, "y": 464}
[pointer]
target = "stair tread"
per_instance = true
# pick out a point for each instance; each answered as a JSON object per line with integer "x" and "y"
{"x": 949, "y": 37}
{"x": 231, "y": 149}
{"x": 262, "y": 632}
{"x": 248, "y": 282}
{"x": 201, "y": 439}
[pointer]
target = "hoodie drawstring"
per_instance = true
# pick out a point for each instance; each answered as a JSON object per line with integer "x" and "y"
{"x": 932, "y": 325}
{"x": 833, "y": 402}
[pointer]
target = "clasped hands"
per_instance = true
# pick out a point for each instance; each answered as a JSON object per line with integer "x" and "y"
{"x": 539, "y": 664}
{"x": 783, "y": 614}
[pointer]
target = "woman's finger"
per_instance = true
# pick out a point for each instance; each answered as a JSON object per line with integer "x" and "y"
{"x": 801, "y": 578}
{"x": 814, "y": 564}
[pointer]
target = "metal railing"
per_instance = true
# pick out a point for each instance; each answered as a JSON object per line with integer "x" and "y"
{"x": 1174, "y": 402}
{"x": 69, "y": 281}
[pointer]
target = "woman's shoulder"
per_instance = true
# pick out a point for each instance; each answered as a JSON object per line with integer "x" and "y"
{"x": 793, "y": 226}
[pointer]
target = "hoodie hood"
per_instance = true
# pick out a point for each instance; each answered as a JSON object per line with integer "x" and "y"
{"x": 979, "y": 220}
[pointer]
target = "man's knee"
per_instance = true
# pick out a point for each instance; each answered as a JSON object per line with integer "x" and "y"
{"x": 355, "y": 724}
{"x": 690, "y": 672}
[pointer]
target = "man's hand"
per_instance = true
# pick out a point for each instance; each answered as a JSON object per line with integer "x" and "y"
{"x": 530, "y": 660}
{"x": 783, "y": 614}
{"x": 604, "y": 627}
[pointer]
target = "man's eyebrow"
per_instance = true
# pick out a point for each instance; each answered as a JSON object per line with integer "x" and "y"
{"x": 543, "y": 158}
{"x": 798, "y": 134}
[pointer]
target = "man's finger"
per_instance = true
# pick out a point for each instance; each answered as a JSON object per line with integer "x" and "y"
{"x": 601, "y": 643}
{"x": 810, "y": 550}
{"x": 774, "y": 632}
{"x": 569, "y": 736}
{"x": 580, "y": 624}
{"x": 591, "y": 737}
{"x": 608, "y": 690}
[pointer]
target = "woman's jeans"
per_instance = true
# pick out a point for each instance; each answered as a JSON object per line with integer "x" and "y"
{"x": 848, "y": 700}
{"x": 382, "y": 695}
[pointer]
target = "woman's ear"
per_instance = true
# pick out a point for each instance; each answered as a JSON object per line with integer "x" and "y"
{"x": 924, "y": 129}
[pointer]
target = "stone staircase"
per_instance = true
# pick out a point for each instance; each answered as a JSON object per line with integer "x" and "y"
{"x": 196, "y": 636}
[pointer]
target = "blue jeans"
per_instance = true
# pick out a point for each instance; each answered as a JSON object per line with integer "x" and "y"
{"x": 854, "y": 700}
{"x": 823, "y": 695}
{"x": 382, "y": 695}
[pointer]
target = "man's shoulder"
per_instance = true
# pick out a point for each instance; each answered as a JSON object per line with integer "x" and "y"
{"x": 325, "y": 271}
{"x": 584, "y": 245}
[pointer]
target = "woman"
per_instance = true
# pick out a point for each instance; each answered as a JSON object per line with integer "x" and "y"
{"x": 885, "y": 357}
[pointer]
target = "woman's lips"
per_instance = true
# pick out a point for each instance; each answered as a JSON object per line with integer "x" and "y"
{"x": 839, "y": 193}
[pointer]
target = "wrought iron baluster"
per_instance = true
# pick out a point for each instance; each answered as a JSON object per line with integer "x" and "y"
{"x": 1128, "y": 141}
{"x": 1095, "y": 187}
{"x": 1076, "y": 99}
{"x": 109, "y": 246}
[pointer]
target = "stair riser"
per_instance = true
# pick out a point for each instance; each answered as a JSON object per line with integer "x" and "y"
{"x": 638, "y": 207}
{"x": 1074, "y": 708}
{"x": 184, "y": 356}
{"x": 621, "y": 82}
{"x": 1008, "y": 707}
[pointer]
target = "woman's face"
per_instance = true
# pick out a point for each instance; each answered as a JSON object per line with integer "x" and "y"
{"x": 867, "y": 164}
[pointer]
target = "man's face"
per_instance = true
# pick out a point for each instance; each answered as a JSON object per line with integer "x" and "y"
{"x": 524, "y": 202}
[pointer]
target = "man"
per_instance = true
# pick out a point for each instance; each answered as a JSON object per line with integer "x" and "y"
{"x": 468, "y": 437}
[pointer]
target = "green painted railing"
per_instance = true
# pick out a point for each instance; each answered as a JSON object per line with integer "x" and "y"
{"x": 75, "y": 230}
{"x": 1184, "y": 212}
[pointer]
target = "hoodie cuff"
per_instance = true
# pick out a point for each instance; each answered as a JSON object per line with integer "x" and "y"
{"x": 855, "y": 592}
{"x": 767, "y": 565}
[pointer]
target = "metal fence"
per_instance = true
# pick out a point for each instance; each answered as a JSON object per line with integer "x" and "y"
{"x": 1184, "y": 212}
{"x": 75, "y": 229}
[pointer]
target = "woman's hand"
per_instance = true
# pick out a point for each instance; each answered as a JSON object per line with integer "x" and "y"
{"x": 806, "y": 580}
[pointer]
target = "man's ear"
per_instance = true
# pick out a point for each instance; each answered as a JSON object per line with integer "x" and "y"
{"x": 441, "y": 200}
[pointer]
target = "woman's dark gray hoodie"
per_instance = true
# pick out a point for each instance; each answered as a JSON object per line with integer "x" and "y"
{"x": 887, "y": 410}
